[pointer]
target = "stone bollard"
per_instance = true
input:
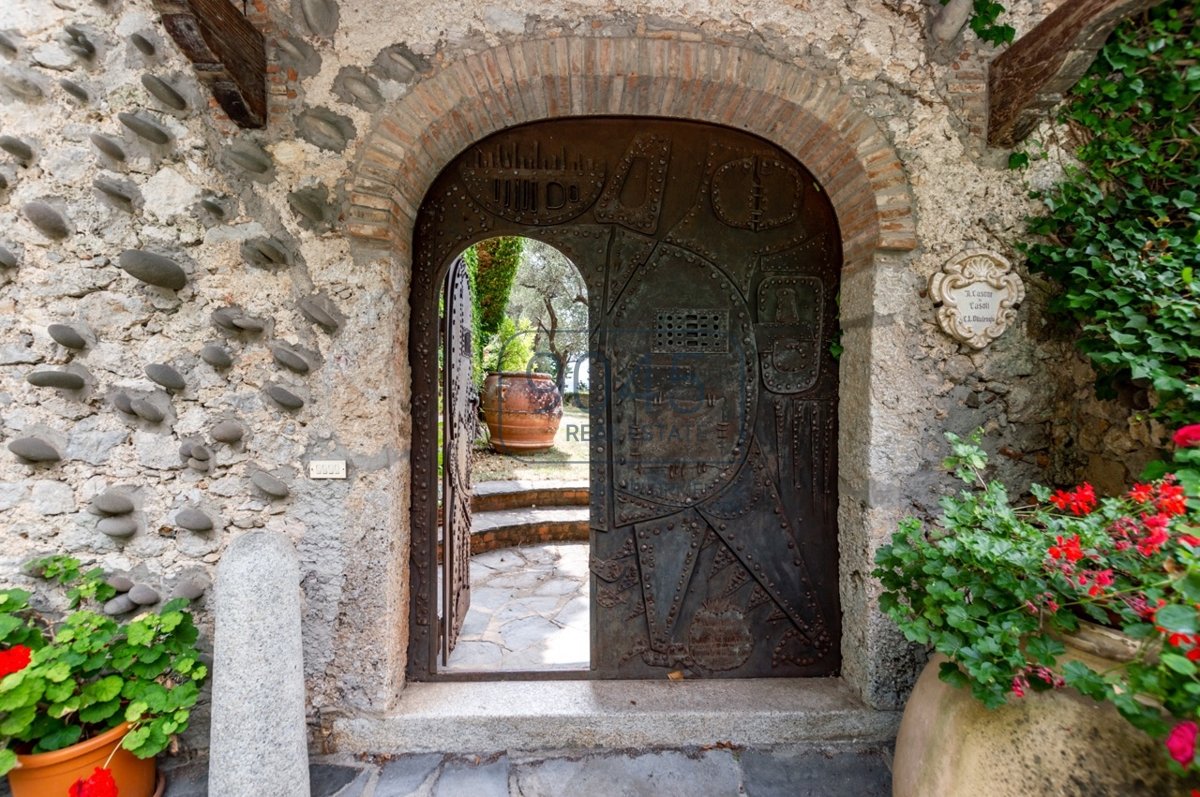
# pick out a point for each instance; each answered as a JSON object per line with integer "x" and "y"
{"x": 258, "y": 744}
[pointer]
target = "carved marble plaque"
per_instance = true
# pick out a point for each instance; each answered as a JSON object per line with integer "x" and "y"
{"x": 976, "y": 294}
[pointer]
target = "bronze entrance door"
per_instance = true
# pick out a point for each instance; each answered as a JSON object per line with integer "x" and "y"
{"x": 712, "y": 262}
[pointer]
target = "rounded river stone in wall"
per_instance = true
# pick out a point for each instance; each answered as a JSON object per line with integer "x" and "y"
{"x": 118, "y": 526}
{"x": 119, "y": 583}
{"x": 122, "y": 401}
{"x": 228, "y": 432}
{"x": 7, "y": 46}
{"x": 249, "y": 323}
{"x": 284, "y": 397}
{"x": 17, "y": 148}
{"x": 164, "y": 92}
{"x": 290, "y": 359}
{"x": 250, "y": 158}
{"x": 190, "y": 588}
{"x": 23, "y": 85}
{"x": 325, "y": 129}
{"x": 153, "y": 269}
{"x": 119, "y": 605}
{"x": 199, "y": 465}
{"x": 166, "y": 376}
{"x": 75, "y": 90}
{"x": 63, "y": 380}
{"x": 145, "y": 128}
{"x": 320, "y": 310}
{"x": 399, "y": 63}
{"x": 199, "y": 452}
{"x": 113, "y": 502}
{"x": 268, "y": 253}
{"x": 7, "y": 258}
{"x": 108, "y": 147}
{"x": 312, "y": 207}
{"x": 34, "y": 449}
{"x": 79, "y": 42}
{"x": 118, "y": 195}
{"x": 143, "y": 44}
{"x": 321, "y": 17}
{"x": 143, "y": 595}
{"x": 67, "y": 335}
{"x": 299, "y": 55}
{"x": 357, "y": 88}
{"x": 193, "y": 519}
{"x": 269, "y": 484}
{"x": 49, "y": 221}
{"x": 146, "y": 411}
{"x": 216, "y": 356}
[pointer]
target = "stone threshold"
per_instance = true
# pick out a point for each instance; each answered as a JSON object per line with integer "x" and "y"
{"x": 473, "y": 717}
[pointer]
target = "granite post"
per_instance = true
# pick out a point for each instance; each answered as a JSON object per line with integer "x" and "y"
{"x": 258, "y": 746}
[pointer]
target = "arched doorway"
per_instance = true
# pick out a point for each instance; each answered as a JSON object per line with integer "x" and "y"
{"x": 713, "y": 261}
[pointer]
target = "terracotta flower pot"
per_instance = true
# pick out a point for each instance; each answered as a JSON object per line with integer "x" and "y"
{"x": 522, "y": 411}
{"x": 1053, "y": 742}
{"x": 52, "y": 774}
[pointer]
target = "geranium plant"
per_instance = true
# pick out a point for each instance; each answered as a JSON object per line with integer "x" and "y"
{"x": 67, "y": 678}
{"x": 995, "y": 586}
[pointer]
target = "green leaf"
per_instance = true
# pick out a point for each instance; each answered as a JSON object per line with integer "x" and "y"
{"x": 8, "y": 760}
{"x": 1180, "y": 664}
{"x": 103, "y": 690}
{"x": 1177, "y": 619}
{"x": 17, "y": 721}
{"x": 1018, "y": 160}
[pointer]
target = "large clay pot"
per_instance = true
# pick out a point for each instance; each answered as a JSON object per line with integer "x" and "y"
{"x": 522, "y": 411}
{"x": 1046, "y": 743}
{"x": 52, "y": 774}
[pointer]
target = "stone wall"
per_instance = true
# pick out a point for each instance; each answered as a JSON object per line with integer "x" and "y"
{"x": 263, "y": 273}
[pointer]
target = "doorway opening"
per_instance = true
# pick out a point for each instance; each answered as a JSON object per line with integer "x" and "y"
{"x": 527, "y": 586}
{"x": 712, "y": 262}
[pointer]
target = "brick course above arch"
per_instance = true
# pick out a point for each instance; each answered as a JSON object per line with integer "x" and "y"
{"x": 547, "y": 78}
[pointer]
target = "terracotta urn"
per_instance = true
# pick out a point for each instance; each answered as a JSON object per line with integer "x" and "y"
{"x": 52, "y": 774}
{"x": 1053, "y": 742}
{"x": 522, "y": 411}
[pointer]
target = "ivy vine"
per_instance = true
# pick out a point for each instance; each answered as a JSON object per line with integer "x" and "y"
{"x": 1121, "y": 233}
{"x": 985, "y": 16}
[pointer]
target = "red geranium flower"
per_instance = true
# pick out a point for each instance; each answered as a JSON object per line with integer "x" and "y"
{"x": 1187, "y": 436}
{"x": 14, "y": 659}
{"x": 1181, "y": 742}
{"x": 1080, "y": 501}
{"x": 1066, "y": 549}
{"x": 1141, "y": 493}
{"x": 1171, "y": 500}
{"x": 99, "y": 784}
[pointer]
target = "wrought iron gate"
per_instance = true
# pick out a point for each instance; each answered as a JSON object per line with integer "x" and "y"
{"x": 712, "y": 261}
{"x": 458, "y": 434}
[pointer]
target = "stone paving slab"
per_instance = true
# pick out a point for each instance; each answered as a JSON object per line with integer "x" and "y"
{"x": 717, "y": 771}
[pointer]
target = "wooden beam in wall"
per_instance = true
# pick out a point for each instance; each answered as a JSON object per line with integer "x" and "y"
{"x": 1030, "y": 78}
{"x": 228, "y": 53}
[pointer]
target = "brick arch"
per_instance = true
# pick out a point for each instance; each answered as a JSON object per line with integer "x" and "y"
{"x": 520, "y": 82}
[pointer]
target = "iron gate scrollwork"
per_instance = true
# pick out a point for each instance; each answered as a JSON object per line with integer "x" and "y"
{"x": 712, "y": 261}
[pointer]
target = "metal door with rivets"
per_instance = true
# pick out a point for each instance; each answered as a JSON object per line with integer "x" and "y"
{"x": 460, "y": 406}
{"x": 712, "y": 261}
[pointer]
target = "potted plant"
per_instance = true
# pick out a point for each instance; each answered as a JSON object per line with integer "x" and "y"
{"x": 522, "y": 408}
{"x": 86, "y": 702}
{"x": 1002, "y": 593}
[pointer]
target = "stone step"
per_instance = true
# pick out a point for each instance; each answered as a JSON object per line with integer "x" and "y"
{"x": 470, "y": 717}
{"x": 507, "y": 528}
{"x": 840, "y": 770}
{"x": 491, "y": 496}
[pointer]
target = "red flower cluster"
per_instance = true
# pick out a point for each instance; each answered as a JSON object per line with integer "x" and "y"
{"x": 1187, "y": 436}
{"x": 99, "y": 784}
{"x": 1189, "y": 643}
{"x": 1181, "y": 742}
{"x": 1097, "y": 579}
{"x": 14, "y": 659}
{"x": 1067, "y": 549}
{"x": 1080, "y": 501}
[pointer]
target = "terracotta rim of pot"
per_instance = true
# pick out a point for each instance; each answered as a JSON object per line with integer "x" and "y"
{"x": 37, "y": 760}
